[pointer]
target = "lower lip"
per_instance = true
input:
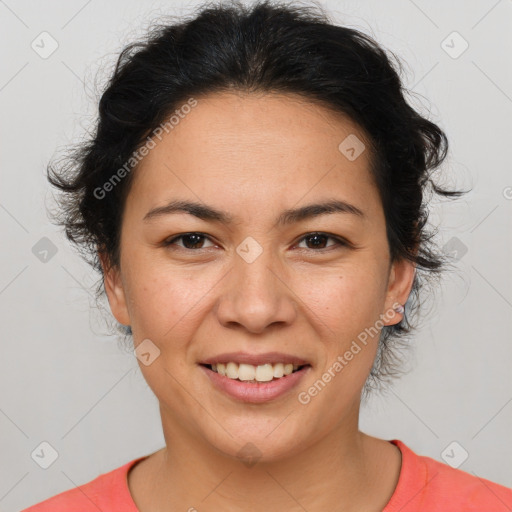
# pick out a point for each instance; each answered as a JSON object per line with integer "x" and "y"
{"x": 256, "y": 392}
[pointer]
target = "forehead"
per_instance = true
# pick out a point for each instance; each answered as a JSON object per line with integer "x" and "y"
{"x": 239, "y": 121}
{"x": 257, "y": 148}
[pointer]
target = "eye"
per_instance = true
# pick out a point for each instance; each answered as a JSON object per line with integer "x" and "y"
{"x": 318, "y": 240}
{"x": 190, "y": 241}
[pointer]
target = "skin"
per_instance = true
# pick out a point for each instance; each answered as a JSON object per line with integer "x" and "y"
{"x": 254, "y": 155}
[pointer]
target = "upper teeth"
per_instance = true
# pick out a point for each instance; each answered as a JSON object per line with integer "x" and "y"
{"x": 261, "y": 373}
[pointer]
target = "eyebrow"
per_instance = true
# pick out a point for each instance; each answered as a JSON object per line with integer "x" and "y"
{"x": 208, "y": 213}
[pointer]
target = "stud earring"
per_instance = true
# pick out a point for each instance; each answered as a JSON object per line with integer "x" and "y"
{"x": 399, "y": 308}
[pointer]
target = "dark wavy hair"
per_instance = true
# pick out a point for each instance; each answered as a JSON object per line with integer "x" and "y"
{"x": 265, "y": 47}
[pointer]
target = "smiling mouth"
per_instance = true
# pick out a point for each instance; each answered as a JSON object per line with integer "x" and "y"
{"x": 248, "y": 373}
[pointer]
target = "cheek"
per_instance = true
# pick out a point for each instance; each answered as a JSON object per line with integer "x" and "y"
{"x": 166, "y": 303}
{"x": 346, "y": 299}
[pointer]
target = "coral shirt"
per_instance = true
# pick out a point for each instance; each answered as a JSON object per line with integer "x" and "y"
{"x": 424, "y": 485}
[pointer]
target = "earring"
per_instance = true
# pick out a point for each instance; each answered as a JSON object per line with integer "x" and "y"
{"x": 399, "y": 309}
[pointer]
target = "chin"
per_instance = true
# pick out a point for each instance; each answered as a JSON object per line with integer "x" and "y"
{"x": 267, "y": 442}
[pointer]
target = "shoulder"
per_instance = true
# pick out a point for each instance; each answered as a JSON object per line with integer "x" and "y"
{"x": 106, "y": 490}
{"x": 430, "y": 485}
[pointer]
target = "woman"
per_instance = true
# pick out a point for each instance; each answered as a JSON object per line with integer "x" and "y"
{"x": 253, "y": 199}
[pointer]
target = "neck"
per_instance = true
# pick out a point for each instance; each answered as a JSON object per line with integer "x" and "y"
{"x": 346, "y": 470}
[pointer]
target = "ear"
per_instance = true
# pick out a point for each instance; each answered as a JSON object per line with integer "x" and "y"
{"x": 400, "y": 280}
{"x": 114, "y": 290}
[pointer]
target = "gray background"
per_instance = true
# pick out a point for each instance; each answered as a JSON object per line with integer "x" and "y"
{"x": 65, "y": 382}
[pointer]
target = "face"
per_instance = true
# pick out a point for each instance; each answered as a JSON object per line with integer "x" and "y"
{"x": 251, "y": 279}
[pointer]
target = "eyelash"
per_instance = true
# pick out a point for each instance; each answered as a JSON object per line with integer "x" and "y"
{"x": 339, "y": 241}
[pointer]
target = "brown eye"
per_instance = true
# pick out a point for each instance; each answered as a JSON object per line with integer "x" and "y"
{"x": 190, "y": 241}
{"x": 319, "y": 241}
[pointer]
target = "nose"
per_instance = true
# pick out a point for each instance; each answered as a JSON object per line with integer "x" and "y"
{"x": 256, "y": 295}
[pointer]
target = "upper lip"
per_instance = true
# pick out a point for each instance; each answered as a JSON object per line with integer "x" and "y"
{"x": 255, "y": 359}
